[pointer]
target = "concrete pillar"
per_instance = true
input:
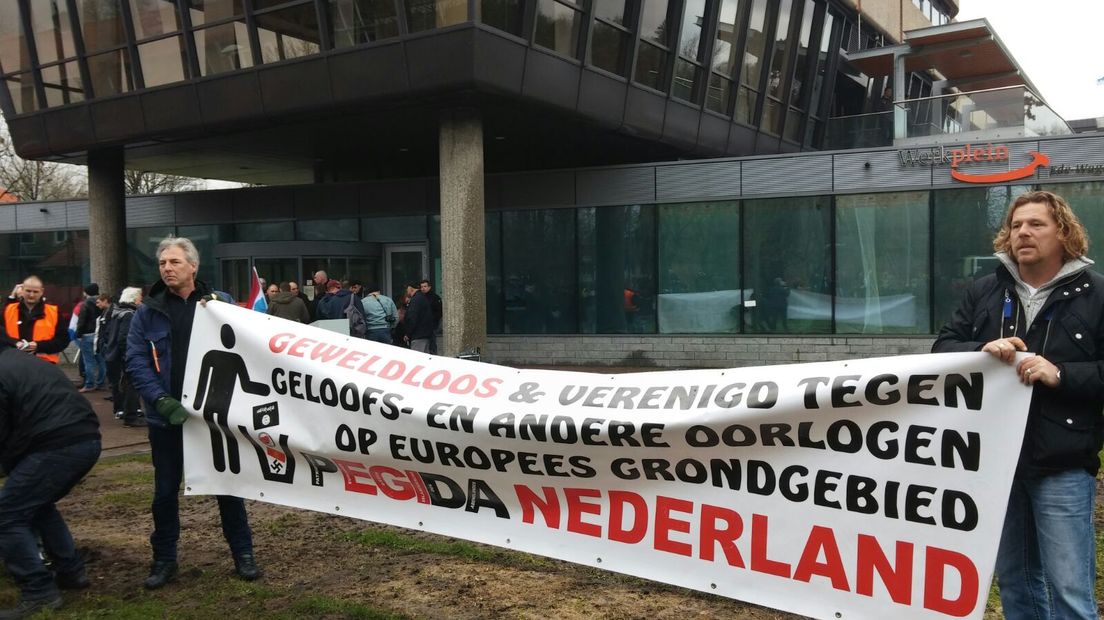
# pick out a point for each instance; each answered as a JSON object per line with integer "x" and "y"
{"x": 463, "y": 265}
{"x": 107, "y": 219}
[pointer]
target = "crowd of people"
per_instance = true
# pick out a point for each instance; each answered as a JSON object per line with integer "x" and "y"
{"x": 1044, "y": 297}
{"x": 413, "y": 322}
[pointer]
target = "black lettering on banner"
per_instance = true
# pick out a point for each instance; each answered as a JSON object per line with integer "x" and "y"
{"x": 347, "y": 440}
{"x": 457, "y": 419}
{"x": 318, "y": 465}
{"x": 526, "y": 393}
{"x": 443, "y": 491}
{"x": 480, "y": 495}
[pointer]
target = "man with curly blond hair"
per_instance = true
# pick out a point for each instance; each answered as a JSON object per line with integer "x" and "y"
{"x": 1045, "y": 299}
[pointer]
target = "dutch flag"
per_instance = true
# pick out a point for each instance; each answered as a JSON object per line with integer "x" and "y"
{"x": 257, "y": 299}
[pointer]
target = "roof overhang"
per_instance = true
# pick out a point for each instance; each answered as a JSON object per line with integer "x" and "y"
{"x": 969, "y": 55}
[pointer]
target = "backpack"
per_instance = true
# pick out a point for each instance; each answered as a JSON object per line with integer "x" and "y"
{"x": 358, "y": 325}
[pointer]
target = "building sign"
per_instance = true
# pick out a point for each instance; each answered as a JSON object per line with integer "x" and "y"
{"x": 970, "y": 154}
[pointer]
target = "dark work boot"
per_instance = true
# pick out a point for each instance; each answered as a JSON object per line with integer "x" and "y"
{"x": 245, "y": 565}
{"x": 73, "y": 581}
{"x": 162, "y": 572}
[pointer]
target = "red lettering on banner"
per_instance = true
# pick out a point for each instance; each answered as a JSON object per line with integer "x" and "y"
{"x": 576, "y": 508}
{"x": 639, "y": 528}
{"x": 392, "y": 482}
{"x": 353, "y": 473}
{"x": 366, "y": 367}
{"x": 350, "y": 359}
{"x": 279, "y": 342}
{"x": 822, "y": 539}
{"x": 664, "y": 524}
{"x": 300, "y": 345}
{"x": 760, "y": 563}
{"x": 326, "y": 352}
{"x": 549, "y": 508}
{"x": 711, "y": 535}
{"x": 897, "y": 579}
{"x": 936, "y": 563}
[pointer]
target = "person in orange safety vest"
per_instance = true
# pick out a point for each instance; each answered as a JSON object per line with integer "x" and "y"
{"x": 31, "y": 324}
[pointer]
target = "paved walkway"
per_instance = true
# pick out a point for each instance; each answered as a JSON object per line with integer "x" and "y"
{"x": 117, "y": 439}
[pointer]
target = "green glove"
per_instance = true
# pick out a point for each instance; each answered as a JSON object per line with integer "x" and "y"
{"x": 171, "y": 410}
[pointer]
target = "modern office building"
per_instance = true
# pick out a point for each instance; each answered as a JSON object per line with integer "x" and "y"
{"x": 669, "y": 182}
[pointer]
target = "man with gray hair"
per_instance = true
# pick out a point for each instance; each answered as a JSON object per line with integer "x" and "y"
{"x": 157, "y": 349}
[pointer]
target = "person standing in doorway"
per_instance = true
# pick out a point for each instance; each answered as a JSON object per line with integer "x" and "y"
{"x": 438, "y": 312}
{"x": 418, "y": 322}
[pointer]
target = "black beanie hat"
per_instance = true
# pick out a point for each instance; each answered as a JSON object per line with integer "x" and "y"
{"x": 92, "y": 289}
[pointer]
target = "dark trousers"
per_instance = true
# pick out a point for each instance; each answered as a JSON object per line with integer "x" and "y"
{"x": 114, "y": 374}
{"x": 167, "y": 448}
{"x": 128, "y": 401}
{"x": 27, "y": 509}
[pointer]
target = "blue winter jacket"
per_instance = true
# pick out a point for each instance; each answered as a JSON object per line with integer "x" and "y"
{"x": 150, "y": 339}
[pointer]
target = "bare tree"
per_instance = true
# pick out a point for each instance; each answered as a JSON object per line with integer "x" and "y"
{"x": 38, "y": 180}
{"x": 145, "y": 182}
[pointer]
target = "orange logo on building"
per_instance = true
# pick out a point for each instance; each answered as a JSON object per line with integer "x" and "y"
{"x": 992, "y": 153}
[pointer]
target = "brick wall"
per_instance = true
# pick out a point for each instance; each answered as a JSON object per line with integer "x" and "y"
{"x": 693, "y": 351}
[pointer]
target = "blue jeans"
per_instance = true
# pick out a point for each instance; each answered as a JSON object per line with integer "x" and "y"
{"x": 1046, "y": 565}
{"x": 167, "y": 449}
{"x": 382, "y": 334}
{"x": 95, "y": 370}
{"x": 27, "y": 508}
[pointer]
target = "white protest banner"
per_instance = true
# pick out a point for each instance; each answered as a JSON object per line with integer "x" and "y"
{"x": 854, "y": 489}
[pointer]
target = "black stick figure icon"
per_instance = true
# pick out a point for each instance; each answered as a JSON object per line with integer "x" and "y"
{"x": 220, "y": 371}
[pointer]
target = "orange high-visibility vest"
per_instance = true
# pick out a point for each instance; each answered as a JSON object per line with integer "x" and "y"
{"x": 44, "y": 328}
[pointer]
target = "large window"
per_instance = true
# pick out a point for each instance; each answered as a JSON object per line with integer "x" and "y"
{"x": 778, "y": 78}
{"x": 610, "y": 37}
{"x": 558, "y": 26}
{"x": 797, "y": 94}
{"x": 1087, "y": 201}
{"x": 688, "y": 62}
{"x": 142, "y": 255}
{"x": 54, "y": 42}
{"x": 160, "y": 45}
{"x": 747, "y": 100}
{"x": 353, "y": 22}
{"x": 820, "y": 75}
{"x": 492, "y": 245}
{"x": 287, "y": 31}
{"x": 429, "y": 14}
{"x": 654, "y": 45}
{"x": 502, "y": 14}
{"x": 538, "y": 271}
{"x": 725, "y": 48}
{"x": 789, "y": 264}
{"x": 346, "y": 229}
{"x": 699, "y": 268}
{"x": 221, "y": 37}
{"x": 882, "y": 264}
{"x": 617, "y": 266}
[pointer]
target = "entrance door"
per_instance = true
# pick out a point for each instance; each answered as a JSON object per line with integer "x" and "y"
{"x": 404, "y": 264}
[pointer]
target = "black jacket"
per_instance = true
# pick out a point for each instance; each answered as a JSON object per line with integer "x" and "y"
{"x": 39, "y": 408}
{"x": 1064, "y": 425}
{"x": 27, "y": 319}
{"x": 419, "y": 322}
{"x": 86, "y": 320}
{"x": 113, "y": 334}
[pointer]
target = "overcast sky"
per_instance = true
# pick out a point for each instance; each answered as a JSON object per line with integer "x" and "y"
{"x": 1058, "y": 43}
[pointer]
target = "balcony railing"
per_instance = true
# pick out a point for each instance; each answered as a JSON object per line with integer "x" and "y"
{"x": 1000, "y": 113}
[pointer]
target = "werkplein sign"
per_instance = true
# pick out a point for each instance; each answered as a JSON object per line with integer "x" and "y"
{"x": 970, "y": 154}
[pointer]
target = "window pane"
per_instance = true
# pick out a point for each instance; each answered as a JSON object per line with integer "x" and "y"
{"x": 608, "y": 48}
{"x": 290, "y": 33}
{"x": 791, "y": 288}
{"x": 966, "y": 220}
{"x": 686, "y": 76}
{"x": 142, "y": 254}
{"x": 745, "y": 105}
{"x": 502, "y": 14}
{"x": 206, "y": 11}
{"x": 617, "y": 266}
{"x": 206, "y": 237}
{"x": 882, "y": 263}
{"x": 61, "y": 262}
{"x": 22, "y": 91}
{"x": 538, "y": 271}
{"x": 111, "y": 73}
{"x": 611, "y": 10}
{"x": 13, "y": 46}
{"x": 724, "y": 49}
{"x": 101, "y": 24}
{"x": 779, "y": 57}
{"x": 53, "y": 30}
{"x": 821, "y": 65}
{"x": 162, "y": 61}
{"x": 653, "y": 25}
{"x": 264, "y": 231}
{"x": 802, "y": 55}
{"x": 153, "y": 17}
{"x": 756, "y": 43}
{"x": 360, "y": 21}
{"x": 1087, "y": 201}
{"x": 720, "y": 90}
{"x": 493, "y": 256}
{"x": 793, "y": 125}
{"x": 699, "y": 291}
{"x": 223, "y": 48}
{"x": 557, "y": 27}
{"x": 690, "y": 38}
{"x": 772, "y": 116}
{"x": 392, "y": 229}
{"x": 327, "y": 230}
{"x": 63, "y": 84}
{"x": 430, "y": 14}
{"x": 650, "y": 63}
